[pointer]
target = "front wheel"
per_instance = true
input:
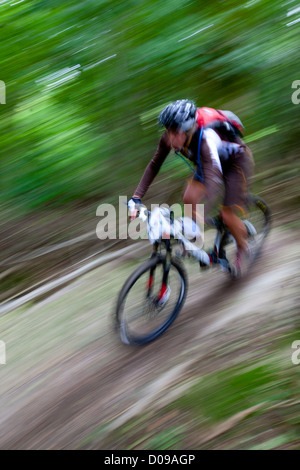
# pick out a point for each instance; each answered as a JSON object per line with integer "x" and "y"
{"x": 150, "y": 300}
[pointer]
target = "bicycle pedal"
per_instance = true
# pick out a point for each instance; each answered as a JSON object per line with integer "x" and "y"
{"x": 203, "y": 265}
{"x": 223, "y": 265}
{"x": 213, "y": 257}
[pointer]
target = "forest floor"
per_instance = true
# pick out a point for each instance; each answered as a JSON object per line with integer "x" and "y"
{"x": 221, "y": 377}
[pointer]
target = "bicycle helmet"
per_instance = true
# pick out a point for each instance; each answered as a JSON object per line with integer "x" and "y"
{"x": 179, "y": 115}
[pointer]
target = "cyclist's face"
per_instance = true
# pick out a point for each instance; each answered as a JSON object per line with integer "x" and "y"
{"x": 177, "y": 139}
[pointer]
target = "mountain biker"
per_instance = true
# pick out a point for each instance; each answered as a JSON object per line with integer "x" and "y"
{"x": 211, "y": 140}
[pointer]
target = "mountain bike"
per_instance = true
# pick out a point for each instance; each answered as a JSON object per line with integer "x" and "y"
{"x": 154, "y": 293}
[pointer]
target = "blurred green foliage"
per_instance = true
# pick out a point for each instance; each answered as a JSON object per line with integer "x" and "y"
{"x": 85, "y": 82}
{"x": 224, "y": 393}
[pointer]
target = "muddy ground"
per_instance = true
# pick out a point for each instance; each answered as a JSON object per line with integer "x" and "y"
{"x": 69, "y": 382}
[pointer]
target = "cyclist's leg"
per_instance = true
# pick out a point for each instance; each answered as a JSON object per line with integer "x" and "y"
{"x": 237, "y": 175}
{"x": 235, "y": 225}
{"x": 207, "y": 192}
{"x": 195, "y": 193}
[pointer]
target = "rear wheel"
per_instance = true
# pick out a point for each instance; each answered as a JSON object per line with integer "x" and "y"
{"x": 258, "y": 224}
{"x": 149, "y": 301}
{"x": 259, "y": 217}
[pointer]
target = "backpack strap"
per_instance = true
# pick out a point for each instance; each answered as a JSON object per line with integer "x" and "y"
{"x": 198, "y": 156}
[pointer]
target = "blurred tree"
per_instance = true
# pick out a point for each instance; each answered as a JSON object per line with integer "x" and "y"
{"x": 85, "y": 82}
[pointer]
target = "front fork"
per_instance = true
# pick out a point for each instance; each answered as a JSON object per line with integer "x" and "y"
{"x": 166, "y": 270}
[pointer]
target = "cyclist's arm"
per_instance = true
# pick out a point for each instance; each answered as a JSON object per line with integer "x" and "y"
{"x": 153, "y": 167}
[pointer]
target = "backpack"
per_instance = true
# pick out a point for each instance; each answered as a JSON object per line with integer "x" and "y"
{"x": 209, "y": 117}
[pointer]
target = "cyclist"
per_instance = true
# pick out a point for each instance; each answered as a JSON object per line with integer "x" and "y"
{"x": 211, "y": 140}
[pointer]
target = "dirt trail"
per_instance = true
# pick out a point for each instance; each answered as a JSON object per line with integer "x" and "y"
{"x": 69, "y": 382}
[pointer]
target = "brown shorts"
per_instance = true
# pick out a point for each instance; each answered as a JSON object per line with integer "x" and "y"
{"x": 237, "y": 175}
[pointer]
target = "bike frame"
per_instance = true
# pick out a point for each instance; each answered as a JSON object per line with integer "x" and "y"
{"x": 205, "y": 258}
{"x": 135, "y": 323}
